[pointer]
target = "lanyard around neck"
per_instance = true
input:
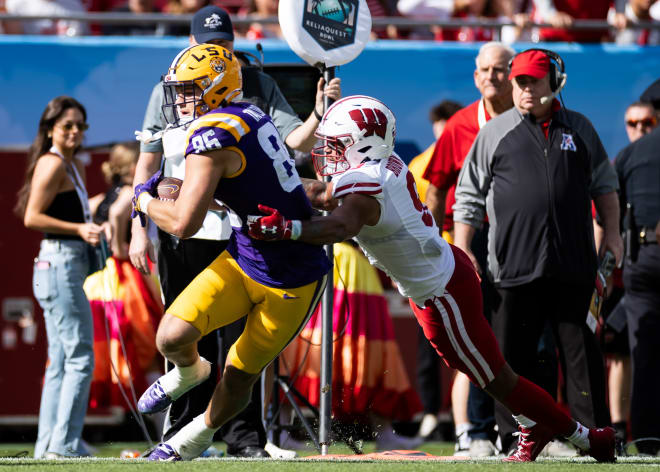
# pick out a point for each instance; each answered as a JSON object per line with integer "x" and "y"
{"x": 481, "y": 114}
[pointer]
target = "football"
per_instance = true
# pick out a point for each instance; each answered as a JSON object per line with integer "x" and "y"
{"x": 168, "y": 188}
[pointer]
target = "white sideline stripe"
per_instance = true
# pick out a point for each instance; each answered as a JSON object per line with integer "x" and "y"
{"x": 452, "y": 338}
{"x": 650, "y": 461}
{"x": 468, "y": 342}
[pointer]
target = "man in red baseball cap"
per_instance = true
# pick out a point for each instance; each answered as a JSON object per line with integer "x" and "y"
{"x": 534, "y": 171}
{"x": 531, "y": 83}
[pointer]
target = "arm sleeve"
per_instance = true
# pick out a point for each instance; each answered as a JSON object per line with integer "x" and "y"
{"x": 473, "y": 184}
{"x": 283, "y": 116}
{"x": 153, "y": 119}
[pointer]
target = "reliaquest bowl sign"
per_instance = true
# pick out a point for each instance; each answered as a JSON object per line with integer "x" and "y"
{"x": 331, "y": 22}
{"x": 329, "y": 32}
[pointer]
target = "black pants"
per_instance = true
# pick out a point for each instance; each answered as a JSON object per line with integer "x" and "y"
{"x": 481, "y": 407}
{"x": 519, "y": 324}
{"x": 641, "y": 280}
{"x": 428, "y": 375}
{"x": 179, "y": 262}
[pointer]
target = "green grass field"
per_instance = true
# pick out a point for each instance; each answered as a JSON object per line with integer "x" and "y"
{"x": 107, "y": 459}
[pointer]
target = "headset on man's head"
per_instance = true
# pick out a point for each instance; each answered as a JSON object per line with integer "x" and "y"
{"x": 557, "y": 73}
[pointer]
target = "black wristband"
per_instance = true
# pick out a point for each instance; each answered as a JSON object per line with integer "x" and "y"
{"x": 317, "y": 115}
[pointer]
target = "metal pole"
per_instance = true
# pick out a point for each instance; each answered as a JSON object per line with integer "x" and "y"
{"x": 325, "y": 407}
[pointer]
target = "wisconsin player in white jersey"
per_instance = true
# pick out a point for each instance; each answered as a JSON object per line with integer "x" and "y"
{"x": 373, "y": 198}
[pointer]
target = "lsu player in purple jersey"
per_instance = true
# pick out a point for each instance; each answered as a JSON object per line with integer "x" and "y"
{"x": 373, "y": 198}
{"x": 234, "y": 154}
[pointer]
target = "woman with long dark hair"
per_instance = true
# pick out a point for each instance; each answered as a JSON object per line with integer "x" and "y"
{"x": 54, "y": 200}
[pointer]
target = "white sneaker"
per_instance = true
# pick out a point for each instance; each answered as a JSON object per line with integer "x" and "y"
{"x": 427, "y": 425}
{"x": 279, "y": 453}
{"x": 388, "y": 440}
{"x": 461, "y": 452}
{"x": 53, "y": 456}
{"x": 558, "y": 448}
{"x": 462, "y": 446}
{"x": 482, "y": 448}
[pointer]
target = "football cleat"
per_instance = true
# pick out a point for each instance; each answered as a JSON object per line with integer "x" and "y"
{"x": 531, "y": 442}
{"x": 602, "y": 444}
{"x": 164, "y": 452}
{"x": 154, "y": 399}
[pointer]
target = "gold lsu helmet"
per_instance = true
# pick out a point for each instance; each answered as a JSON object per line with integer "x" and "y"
{"x": 207, "y": 75}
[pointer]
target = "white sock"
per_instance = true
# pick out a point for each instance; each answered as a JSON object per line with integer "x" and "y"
{"x": 181, "y": 379}
{"x": 580, "y": 438}
{"x": 462, "y": 428}
{"x": 462, "y": 437}
{"x": 524, "y": 421}
{"x": 193, "y": 439}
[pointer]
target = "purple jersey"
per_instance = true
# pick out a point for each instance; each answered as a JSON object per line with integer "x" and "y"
{"x": 268, "y": 176}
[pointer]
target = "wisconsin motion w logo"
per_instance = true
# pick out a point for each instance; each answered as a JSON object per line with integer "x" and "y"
{"x": 372, "y": 120}
{"x": 331, "y": 22}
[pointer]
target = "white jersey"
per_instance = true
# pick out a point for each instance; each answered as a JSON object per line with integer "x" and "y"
{"x": 216, "y": 225}
{"x": 405, "y": 243}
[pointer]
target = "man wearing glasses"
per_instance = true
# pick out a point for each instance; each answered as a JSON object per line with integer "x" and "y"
{"x": 640, "y": 120}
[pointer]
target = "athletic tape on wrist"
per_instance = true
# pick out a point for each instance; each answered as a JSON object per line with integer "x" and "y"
{"x": 143, "y": 201}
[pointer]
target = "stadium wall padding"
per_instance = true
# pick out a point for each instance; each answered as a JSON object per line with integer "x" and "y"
{"x": 113, "y": 77}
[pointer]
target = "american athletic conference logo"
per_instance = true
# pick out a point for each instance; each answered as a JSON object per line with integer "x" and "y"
{"x": 331, "y": 22}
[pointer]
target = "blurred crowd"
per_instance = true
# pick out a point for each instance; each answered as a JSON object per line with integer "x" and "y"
{"x": 522, "y": 17}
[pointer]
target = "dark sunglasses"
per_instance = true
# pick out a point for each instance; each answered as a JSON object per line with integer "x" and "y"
{"x": 69, "y": 126}
{"x": 646, "y": 122}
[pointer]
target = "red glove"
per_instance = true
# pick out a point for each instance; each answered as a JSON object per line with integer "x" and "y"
{"x": 272, "y": 227}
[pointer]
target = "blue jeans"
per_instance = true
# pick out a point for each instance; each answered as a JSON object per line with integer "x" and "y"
{"x": 57, "y": 281}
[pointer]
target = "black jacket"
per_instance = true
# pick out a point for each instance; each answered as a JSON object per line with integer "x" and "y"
{"x": 537, "y": 193}
{"x": 638, "y": 168}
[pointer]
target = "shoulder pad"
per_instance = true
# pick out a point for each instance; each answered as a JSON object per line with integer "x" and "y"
{"x": 216, "y": 130}
{"x": 364, "y": 180}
